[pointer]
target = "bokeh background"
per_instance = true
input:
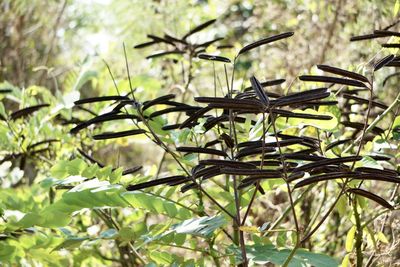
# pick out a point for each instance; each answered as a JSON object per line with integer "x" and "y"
{"x": 53, "y": 44}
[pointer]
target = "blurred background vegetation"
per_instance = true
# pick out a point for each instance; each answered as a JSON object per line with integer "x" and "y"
{"x": 49, "y": 43}
{"x": 64, "y": 46}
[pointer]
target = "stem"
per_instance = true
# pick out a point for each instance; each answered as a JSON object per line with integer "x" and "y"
{"x": 323, "y": 202}
{"x": 288, "y": 209}
{"x": 232, "y": 130}
{"x": 360, "y": 139}
{"x": 166, "y": 148}
{"x": 394, "y": 194}
{"x": 112, "y": 224}
{"x": 285, "y": 173}
{"x": 298, "y": 243}
{"x": 358, "y": 244}
{"x": 159, "y": 142}
{"x": 326, "y": 214}
{"x": 291, "y": 255}
{"x": 375, "y": 122}
{"x": 261, "y": 167}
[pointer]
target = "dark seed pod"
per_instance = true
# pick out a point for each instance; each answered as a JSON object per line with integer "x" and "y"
{"x": 208, "y": 43}
{"x": 100, "y": 99}
{"x": 336, "y": 143}
{"x": 289, "y": 114}
{"x": 383, "y": 62}
{"x": 194, "y": 117}
{"x": 365, "y": 101}
{"x": 143, "y": 45}
{"x": 5, "y": 91}
{"x": 258, "y": 89}
{"x": 324, "y": 162}
{"x": 387, "y": 33}
{"x": 47, "y": 141}
{"x": 208, "y": 172}
{"x": 131, "y": 170}
{"x": 228, "y": 163}
{"x": 327, "y": 79}
{"x": 26, "y": 111}
{"x": 352, "y": 175}
{"x": 250, "y": 172}
{"x": 199, "y": 28}
{"x": 212, "y": 143}
{"x": 158, "y": 100}
{"x": 228, "y": 140}
{"x": 174, "y": 39}
{"x": 160, "y": 181}
{"x": 301, "y": 97}
{"x": 173, "y": 109}
{"x": 165, "y": 53}
{"x": 391, "y": 45}
{"x": 267, "y": 84}
{"x": 90, "y": 158}
{"x": 366, "y": 37}
{"x": 360, "y": 126}
{"x": 118, "y": 134}
{"x": 214, "y": 58}
{"x": 102, "y": 118}
{"x": 345, "y": 73}
{"x": 371, "y": 196}
{"x": 265, "y": 41}
{"x": 171, "y": 127}
{"x": 201, "y": 150}
{"x": 159, "y": 39}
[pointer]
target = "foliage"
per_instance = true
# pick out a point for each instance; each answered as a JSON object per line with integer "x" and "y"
{"x": 215, "y": 170}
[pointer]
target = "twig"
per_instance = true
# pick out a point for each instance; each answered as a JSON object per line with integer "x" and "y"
{"x": 331, "y": 30}
{"x": 53, "y": 38}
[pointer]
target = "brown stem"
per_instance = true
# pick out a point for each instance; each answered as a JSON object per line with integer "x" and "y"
{"x": 358, "y": 243}
{"x": 332, "y": 28}
{"x": 53, "y": 39}
{"x": 261, "y": 166}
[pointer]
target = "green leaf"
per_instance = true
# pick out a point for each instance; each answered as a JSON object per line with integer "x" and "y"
{"x": 54, "y": 218}
{"x": 281, "y": 239}
{"x": 104, "y": 173}
{"x": 328, "y": 125}
{"x": 70, "y": 97}
{"x": 161, "y": 257}
{"x": 109, "y": 234}
{"x": 156, "y": 126}
{"x": 116, "y": 175}
{"x": 90, "y": 171}
{"x": 396, "y": 8}
{"x": 382, "y": 238}
{"x": 396, "y": 127}
{"x": 156, "y": 204}
{"x": 71, "y": 242}
{"x": 350, "y": 239}
{"x": 30, "y": 219}
{"x": 2, "y": 110}
{"x": 90, "y": 194}
{"x": 126, "y": 234}
{"x": 59, "y": 170}
{"x": 84, "y": 77}
{"x": 346, "y": 261}
{"x": 76, "y": 166}
{"x": 179, "y": 239}
{"x": 341, "y": 206}
{"x": 263, "y": 254}
{"x": 317, "y": 259}
{"x": 369, "y": 162}
{"x": 203, "y": 226}
{"x": 7, "y": 252}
